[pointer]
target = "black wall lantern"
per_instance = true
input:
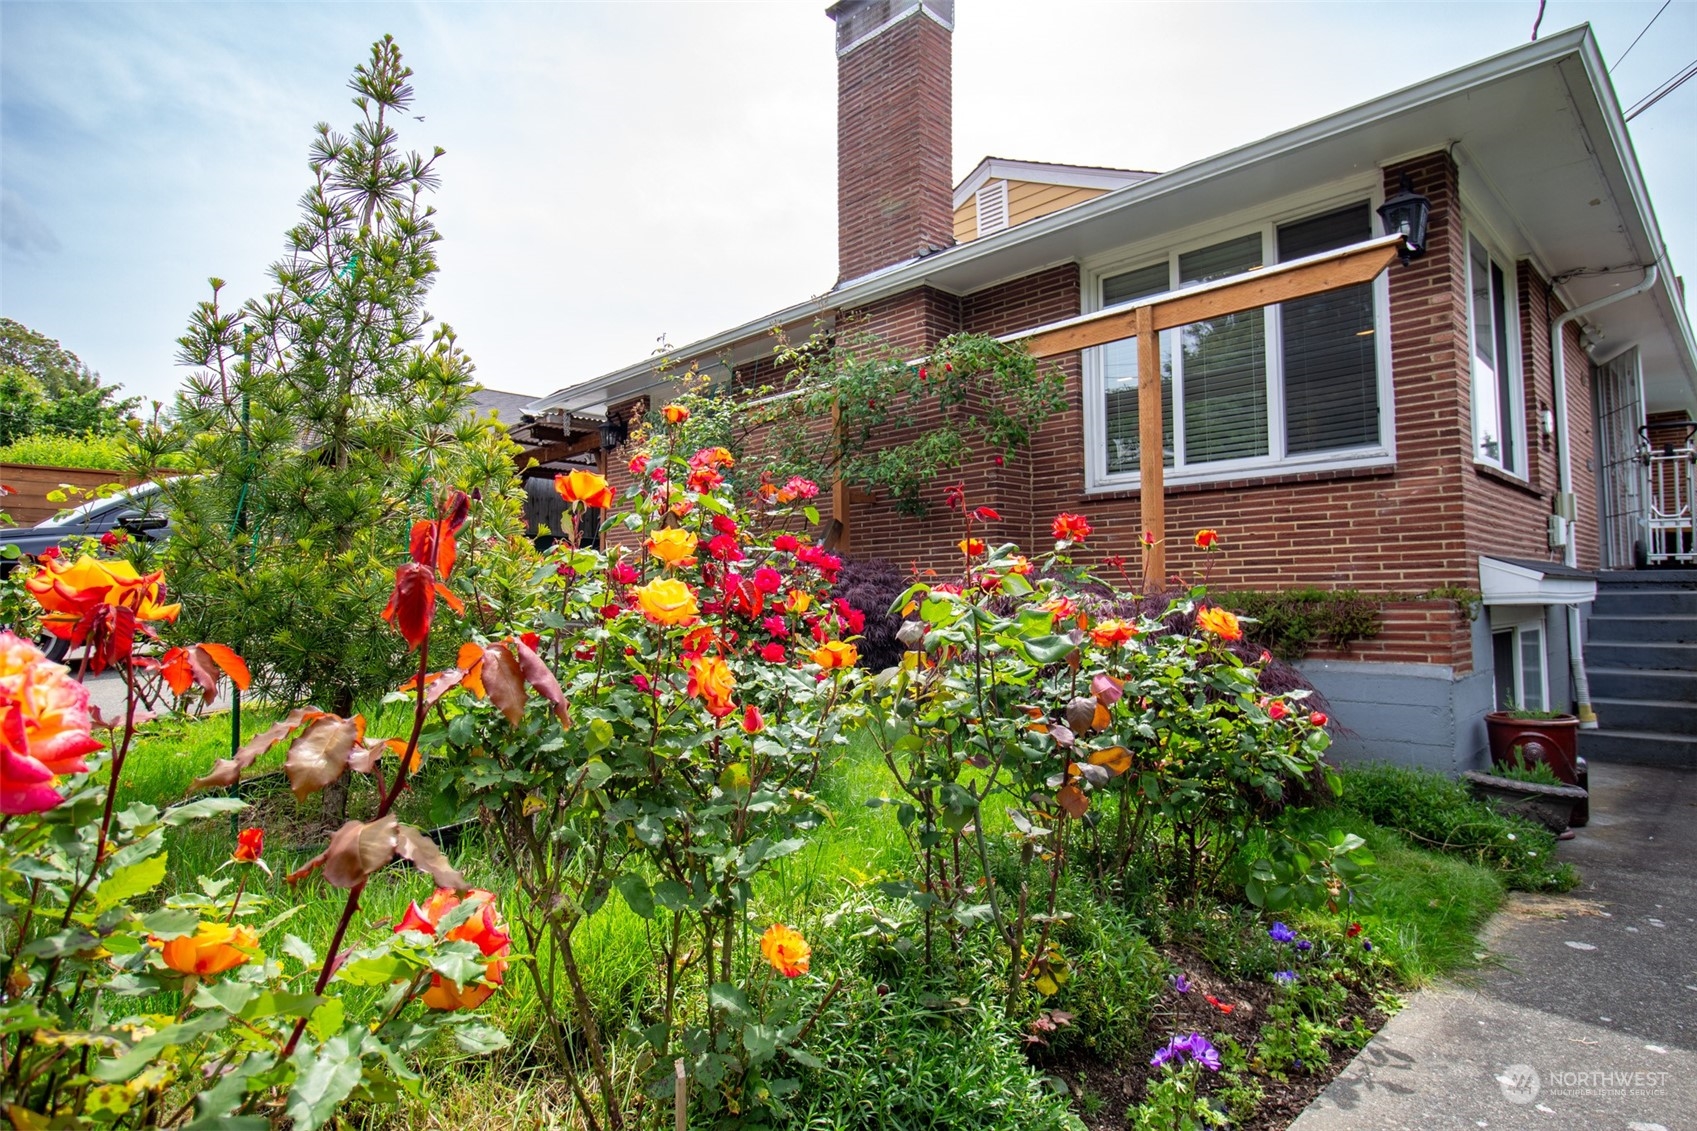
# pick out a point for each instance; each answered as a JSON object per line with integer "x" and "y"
{"x": 613, "y": 432}
{"x": 1405, "y": 214}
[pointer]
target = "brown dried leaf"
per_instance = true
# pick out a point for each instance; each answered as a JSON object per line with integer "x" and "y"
{"x": 356, "y": 851}
{"x": 1072, "y": 799}
{"x": 419, "y": 850}
{"x": 538, "y": 675}
{"x": 228, "y": 771}
{"x": 1081, "y": 714}
{"x": 504, "y": 682}
{"x": 320, "y": 755}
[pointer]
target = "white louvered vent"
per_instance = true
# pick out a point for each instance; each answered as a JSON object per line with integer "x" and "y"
{"x": 992, "y": 207}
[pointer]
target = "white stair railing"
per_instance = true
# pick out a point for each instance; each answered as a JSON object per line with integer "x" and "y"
{"x": 1669, "y": 471}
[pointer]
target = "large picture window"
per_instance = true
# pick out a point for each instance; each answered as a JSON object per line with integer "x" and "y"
{"x": 1297, "y": 381}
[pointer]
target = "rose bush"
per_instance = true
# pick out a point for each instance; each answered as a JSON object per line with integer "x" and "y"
{"x": 1127, "y": 746}
{"x": 120, "y": 1008}
{"x": 652, "y": 723}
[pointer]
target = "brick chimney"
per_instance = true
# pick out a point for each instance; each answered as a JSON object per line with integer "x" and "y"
{"x": 895, "y": 122}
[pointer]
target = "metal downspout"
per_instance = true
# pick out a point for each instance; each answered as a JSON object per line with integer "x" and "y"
{"x": 1564, "y": 481}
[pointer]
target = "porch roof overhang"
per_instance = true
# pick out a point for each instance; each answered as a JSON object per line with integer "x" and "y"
{"x": 1515, "y": 581}
{"x": 1536, "y": 130}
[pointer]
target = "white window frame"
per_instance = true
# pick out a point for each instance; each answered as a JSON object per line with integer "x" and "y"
{"x": 1265, "y": 221}
{"x": 1476, "y": 232}
{"x": 1515, "y": 622}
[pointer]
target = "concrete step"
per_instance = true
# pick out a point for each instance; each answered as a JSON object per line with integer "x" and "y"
{"x": 1645, "y": 602}
{"x": 1640, "y": 656}
{"x": 1638, "y": 683}
{"x": 1646, "y": 578}
{"x": 1655, "y": 715}
{"x": 1670, "y": 628}
{"x": 1643, "y": 748}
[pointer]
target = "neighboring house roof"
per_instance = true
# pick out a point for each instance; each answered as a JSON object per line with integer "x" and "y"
{"x": 509, "y": 408}
{"x": 1567, "y": 173}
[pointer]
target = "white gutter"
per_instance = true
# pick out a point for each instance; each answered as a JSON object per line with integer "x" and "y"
{"x": 1564, "y": 479}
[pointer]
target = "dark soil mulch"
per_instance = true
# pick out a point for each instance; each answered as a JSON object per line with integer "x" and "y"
{"x": 1119, "y": 1086}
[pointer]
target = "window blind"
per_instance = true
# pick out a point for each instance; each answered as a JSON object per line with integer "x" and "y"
{"x": 1119, "y": 373}
{"x": 1224, "y": 364}
{"x": 1331, "y": 377}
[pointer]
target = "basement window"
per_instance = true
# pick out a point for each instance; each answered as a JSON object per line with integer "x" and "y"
{"x": 1301, "y": 382}
{"x": 992, "y": 207}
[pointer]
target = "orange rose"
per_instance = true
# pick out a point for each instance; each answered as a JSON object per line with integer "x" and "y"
{"x": 483, "y": 930}
{"x": 1113, "y": 633}
{"x": 835, "y": 654}
{"x": 710, "y": 680}
{"x": 250, "y": 844}
{"x": 584, "y": 487}
{"x": 675, "y": 413}
{"x": 1020, "y": 565}
{"x": 213, "y": 949}
{"x": 1207, "y": 539}
{"x": 667, "y": 601}
{"x": 786, "y": 950}
{"x": 1219, "y": 622}
{"x": 1069, "y": 527}
{"x": 972, "y": 547}
{"x": 797, "y": 602}
{"x": 82, "y": 598}
{"x": 672, "y": 544}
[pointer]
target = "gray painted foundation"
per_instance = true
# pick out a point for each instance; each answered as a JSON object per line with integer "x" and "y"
{"x": 1413, "y": 714}
{"x": 1427, "y": 715}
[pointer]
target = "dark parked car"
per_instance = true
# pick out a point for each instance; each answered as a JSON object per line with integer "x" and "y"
{"x": 137, "y": 512}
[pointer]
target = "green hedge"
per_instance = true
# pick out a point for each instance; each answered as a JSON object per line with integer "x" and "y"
{"x": 99, "y": 453}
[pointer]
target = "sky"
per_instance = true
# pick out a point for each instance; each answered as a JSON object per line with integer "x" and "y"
{"x": 618, "y": 174}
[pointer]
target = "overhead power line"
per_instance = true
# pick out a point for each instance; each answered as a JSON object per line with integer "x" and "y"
{"x": 1679, "y": 79}
{"x": 1640, "y": 35}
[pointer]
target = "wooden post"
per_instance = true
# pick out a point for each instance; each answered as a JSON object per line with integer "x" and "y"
{"x": 837, "y": 530}
{"x": 1151, "y": 491}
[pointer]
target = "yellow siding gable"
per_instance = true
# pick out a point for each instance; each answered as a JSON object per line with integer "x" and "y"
{"x": 1027, "y": 200}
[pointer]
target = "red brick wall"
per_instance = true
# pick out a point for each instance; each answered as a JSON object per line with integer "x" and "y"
{"x": 894, "y": 141}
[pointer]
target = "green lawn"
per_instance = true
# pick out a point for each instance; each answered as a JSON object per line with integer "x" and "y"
{"x": 1422, "y": 909}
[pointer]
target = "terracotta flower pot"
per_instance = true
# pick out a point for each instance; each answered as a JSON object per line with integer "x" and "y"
{"x": 1553, "y": 742}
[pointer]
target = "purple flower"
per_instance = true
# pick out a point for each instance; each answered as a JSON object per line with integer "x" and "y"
{"x": 1366, "y": 944}
{"x": 1281, "y": 933}
{"x": 1181, "y": 1050}
{"x": 1304, "y": 945}
{"x": 1285, "y": 977}
{"x": 1179, "y": 982}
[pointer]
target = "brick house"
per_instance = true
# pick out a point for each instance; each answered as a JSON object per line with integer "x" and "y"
{"x": 1400, "y": 437}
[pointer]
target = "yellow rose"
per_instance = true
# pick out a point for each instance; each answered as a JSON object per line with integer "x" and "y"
{"x": 671, "y": 545}
{"x": 667, "y": 601}
{"x": 835, "y": 654}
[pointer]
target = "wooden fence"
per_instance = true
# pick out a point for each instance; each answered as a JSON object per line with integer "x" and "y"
{"x": 32, "y": 484}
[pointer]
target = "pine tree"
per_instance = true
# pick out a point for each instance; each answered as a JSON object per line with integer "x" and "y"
{"x": 323, "y": 417}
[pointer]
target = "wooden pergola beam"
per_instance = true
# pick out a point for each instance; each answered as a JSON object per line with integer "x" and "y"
{"x": 1315, "y": 274}
{"x": 564, "y": 449}
{"x": 1312, "y": 275}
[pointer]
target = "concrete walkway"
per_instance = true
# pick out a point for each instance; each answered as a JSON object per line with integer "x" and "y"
{"x": 1587, "y": 1018}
